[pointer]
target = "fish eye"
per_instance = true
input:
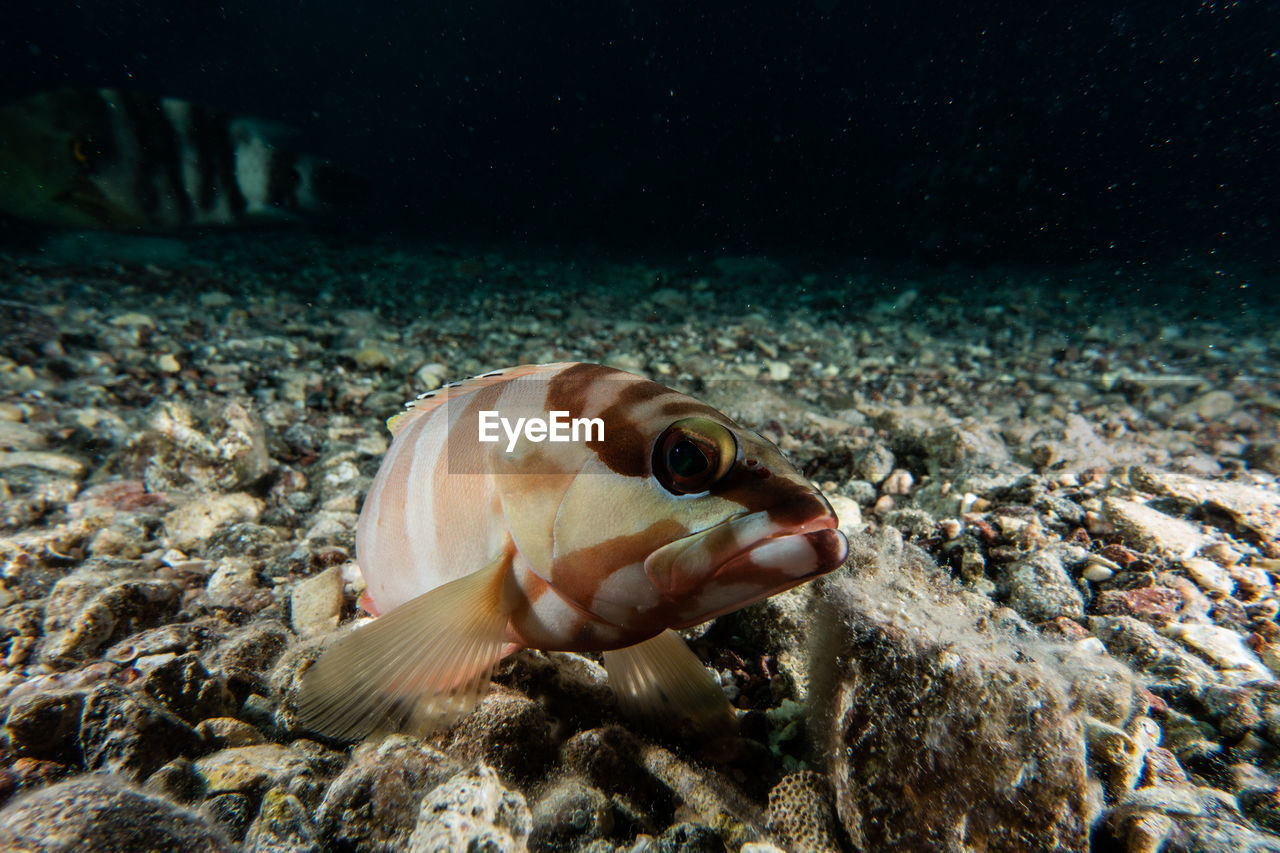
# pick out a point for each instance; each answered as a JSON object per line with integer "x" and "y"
{"x": 80, "y": 151}
{"x": 692, "y": 454}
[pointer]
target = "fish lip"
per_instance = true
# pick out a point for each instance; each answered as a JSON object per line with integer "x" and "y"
{"x": 673, "y": 569}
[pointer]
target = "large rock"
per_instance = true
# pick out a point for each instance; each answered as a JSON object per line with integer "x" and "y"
{"x": 373, "y": 805}
{"x": 940, "y": 733}
{"x": 101, "y": 813}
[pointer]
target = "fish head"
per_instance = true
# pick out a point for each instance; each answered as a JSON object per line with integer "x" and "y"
{"x": 757, "y": 525}
{"x": 680, "y": 515}
{"x": 55, "y": 150}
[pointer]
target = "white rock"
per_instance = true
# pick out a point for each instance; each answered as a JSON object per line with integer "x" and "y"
{"x": 779, "y": 371}
{"x": 191, "y": 524}
{"x": 1222, "y": 647}
{"x": 1209, "y": 576}
{"x": 848, "y": 512}
{"x": 316, "y": 603}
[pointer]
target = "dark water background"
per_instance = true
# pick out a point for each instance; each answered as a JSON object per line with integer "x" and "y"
{"x": 971, "y": 132}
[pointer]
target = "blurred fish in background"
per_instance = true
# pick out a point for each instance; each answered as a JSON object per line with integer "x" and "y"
{"x": 112, "y": 159}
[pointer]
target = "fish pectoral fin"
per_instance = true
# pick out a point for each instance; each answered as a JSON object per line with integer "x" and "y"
{"x": 661, "y": 679}
{"x": 419, "y": 667}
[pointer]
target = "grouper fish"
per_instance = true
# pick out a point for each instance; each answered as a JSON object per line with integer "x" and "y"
{"x": 483, "y": 534}
{"x": 107, "y": 158}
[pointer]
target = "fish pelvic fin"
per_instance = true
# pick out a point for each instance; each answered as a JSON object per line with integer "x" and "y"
{"x": 419, "y": 668}
{"x": 661, "y": 680}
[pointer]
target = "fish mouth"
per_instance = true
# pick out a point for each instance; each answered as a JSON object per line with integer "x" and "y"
{"x": 749, "y": 555}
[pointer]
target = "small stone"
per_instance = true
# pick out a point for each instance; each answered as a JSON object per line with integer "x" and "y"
{"x": 429, "y": 377}
{"x": 371, "y": 358}
{"x": 129, "y": 735}
{"x": 133, "y": 320}
{"x": 167, "y": 363}
{"x": 847, "y": 512}
{"x": 46, "y": 725}
{"x": 99, "y": 813}
{"x": 508, "y": 732}
{"x": 177, "y": 780}
{"x": 1209, "y": 576}
{"x": 873, "y": 463}
{"x": 373, "y": 804}
{"x": 316, "y": 603}
{"x": 1155, "y": 604}
{"x": 1096, "y": 572}
{"x": 283, "y": 825}
{"x": 235, "y": 584}
{"x": 800, "y": 813}
{"x": 472, "y": 811}
{"x": 232, "y": 812}
{"x": 899, "y": 482}
{"x": 779, "y": 371}
{"x": 51, "y": 463}
{"x": 1213, "y": 406}
{"x": 569, "y": 815}
{"x": 250, "y": 769}
{"x": 1222, "y": 647}
{"x": 1149, "y": 530}
{"x": 224, "y": 732}
{"x": 1040, "y": 589}
{"x": 190, "y": 525}
{"x": 186, "y": 688}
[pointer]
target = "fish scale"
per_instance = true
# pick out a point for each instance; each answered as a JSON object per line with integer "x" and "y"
{"x": 473, "y": 549}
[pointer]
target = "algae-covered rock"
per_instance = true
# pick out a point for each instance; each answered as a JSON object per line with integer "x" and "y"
{"x": 939, "y": 732}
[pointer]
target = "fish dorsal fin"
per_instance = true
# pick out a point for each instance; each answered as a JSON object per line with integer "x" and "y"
{"x": 427, "y": 403}
{"x": 421, "y": 666}
{"x": 661, "y": 680}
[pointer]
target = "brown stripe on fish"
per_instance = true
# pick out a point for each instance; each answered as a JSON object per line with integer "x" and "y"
{"x": 577, "y": 574}
{"x": 452, "y": 483}
{"x": 790, "y": 502}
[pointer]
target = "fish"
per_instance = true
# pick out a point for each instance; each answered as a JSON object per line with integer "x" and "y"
{"x": 562, "y": 507}
{"x": 113, "y": 159}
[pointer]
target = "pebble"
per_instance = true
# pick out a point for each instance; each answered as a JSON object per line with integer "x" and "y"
{"x": 1040, "y": 589}
{"x": 1096, "y": 572}
{"x": 1146, "y": 529}
{"x": 189, "y": 526}
{"x": 373, "y": 804}
{"x": 283, "y": 825}
{"x": 848, "y": 512}
{"x": 873, "y": 463}
{"x": 1209, "y": 576}
{"x": 131, "y": 736}
{"x": 472, "y": 811}
{"x": 779, "y": 371}
{"x": 316, "y": 603}
{"x": 1222, "y": 647}
{"x": 225, "y": 732}
{"x": 101, "y": 813}
{"x": 251, "y": 768}
{"x": 52, "y": 463}
{"x": 899, "y": 482}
